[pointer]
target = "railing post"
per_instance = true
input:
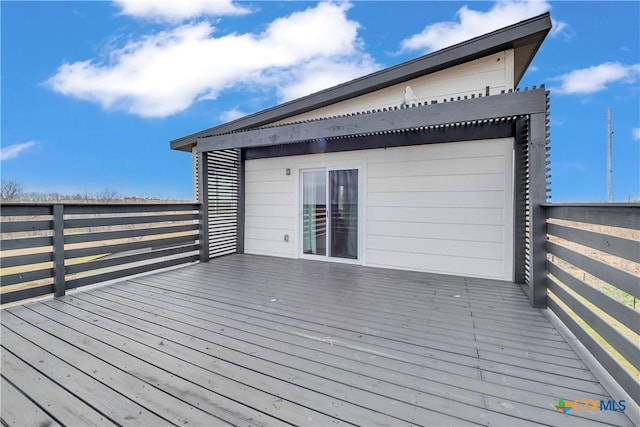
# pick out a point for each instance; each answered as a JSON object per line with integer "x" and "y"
{"x": 538, "y": 219}
{"x": 203, "y": 198}
{"x": 59, "y": 285}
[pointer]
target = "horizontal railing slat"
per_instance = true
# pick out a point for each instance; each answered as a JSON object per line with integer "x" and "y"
{"x": 625, "y": 215}
{"x": 621, "y": 343}
{"x": 613, "y": 245}
{"x": 27, "y": 276}
{"x": 20, "y": 260}
{"x": 98, "y": 278}
{"x": 25, "y": 210}
{"x": 128, "y": 259}
{"x": 26, "y": 293}
{"x": 22, "y": 226}
{"x": 623, "y": 377}
{"x": 136, "y": 238}
{"x": 25, "y": 243}
{"x": 124, "y": 234}
{"x": 127, "y": 220}
{"x": 622, "y": 313}
{"x": 612, "y": 275}
{"x": 115, "y": 208}
{"x": 121, "y": 247}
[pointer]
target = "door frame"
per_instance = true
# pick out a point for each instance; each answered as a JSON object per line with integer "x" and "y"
{"x": 361, "y": 212}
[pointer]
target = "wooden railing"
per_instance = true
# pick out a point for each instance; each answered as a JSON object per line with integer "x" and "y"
{"x": 49, "y": 248}
{"x": 593, "y": 282}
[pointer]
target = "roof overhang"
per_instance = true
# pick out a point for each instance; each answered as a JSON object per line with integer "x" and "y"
{"x": 525, "y": 38}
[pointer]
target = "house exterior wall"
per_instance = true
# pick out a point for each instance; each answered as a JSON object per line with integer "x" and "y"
{"x": 471, "y": 78}
{"x": 445, "y": 208}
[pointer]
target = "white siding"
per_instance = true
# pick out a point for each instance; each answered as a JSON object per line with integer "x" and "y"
{"x": 471, "y": 78}
{"x": 445, "y": 208}
{"x": 270, "y": 208}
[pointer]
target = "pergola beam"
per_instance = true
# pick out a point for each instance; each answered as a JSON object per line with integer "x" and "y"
{"x": 469, "y": 110}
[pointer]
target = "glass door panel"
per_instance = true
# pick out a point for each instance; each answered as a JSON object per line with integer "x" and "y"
{"x": 343, "y": 188}
{"x": 314, "y": 212}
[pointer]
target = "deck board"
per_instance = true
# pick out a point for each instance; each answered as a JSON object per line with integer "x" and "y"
{"x": 252, "y": 340}
{"x": 20, "y": 410}
{"x": 62, "y": 406}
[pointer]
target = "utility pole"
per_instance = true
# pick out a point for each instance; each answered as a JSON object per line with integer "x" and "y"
{"x": 609, "y": 158}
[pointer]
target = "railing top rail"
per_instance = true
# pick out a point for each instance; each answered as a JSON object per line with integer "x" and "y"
{"x": 592, "y": 205}
{"x": 27, "y": 209}
{"x": 91, "y": 203}
{"x": 624, "y": 215}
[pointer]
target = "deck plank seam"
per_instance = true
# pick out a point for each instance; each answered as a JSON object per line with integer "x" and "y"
{"x": 290, "y": 315}
{"x": 537, "y": 319}
{"x": 43, "y": 409}
{"x": 116, "y": 367}
{"x": 231, "y": 362}
{"x": 73, "y": 367}
{"x": 466, "y": 420}
{"x": 497, "y": 396}
{"x": 186, "y": 291}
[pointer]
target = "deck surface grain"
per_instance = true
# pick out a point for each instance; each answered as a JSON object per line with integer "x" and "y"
{"x": 252, "y": 340}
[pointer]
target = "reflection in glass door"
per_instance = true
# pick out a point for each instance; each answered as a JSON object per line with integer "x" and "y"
{"x": 330, "y": 229}
{"x": 343, "y": 187}
{"x": 314, "y": 212}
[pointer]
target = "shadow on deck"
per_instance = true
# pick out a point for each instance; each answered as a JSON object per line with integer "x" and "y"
{"x": 250, "y": 340}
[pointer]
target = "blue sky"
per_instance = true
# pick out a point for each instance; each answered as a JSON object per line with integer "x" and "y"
{"x": 92, "y": 92}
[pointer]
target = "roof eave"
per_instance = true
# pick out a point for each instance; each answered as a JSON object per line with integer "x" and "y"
{"x": 525, "y": 38}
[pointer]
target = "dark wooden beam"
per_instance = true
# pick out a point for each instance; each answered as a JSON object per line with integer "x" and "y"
{"x": 464, "y": 111}
{"x": 503, "y": 129}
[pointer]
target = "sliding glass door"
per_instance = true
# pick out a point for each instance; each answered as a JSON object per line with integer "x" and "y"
{"x": 330, "y": 229}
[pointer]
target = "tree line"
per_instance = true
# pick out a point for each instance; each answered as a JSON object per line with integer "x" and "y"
{"x": 14, "y": 191}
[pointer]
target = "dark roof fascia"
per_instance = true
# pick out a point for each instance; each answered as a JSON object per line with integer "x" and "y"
{"x": 528, "y": 32}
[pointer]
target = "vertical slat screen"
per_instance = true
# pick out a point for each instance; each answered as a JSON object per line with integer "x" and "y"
{"x": 194, "y": 157}
{"x": 522, "y": 202}
{"x": 223, "y": 185}
{"x": 527, "y": 146}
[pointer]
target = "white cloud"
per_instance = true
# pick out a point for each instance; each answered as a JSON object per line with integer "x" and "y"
{"x": 473, "y": 23}
{"x": 595, "y": 78}
{"x": 321, "y": 73}
{"x": 164, "y": 73}
{"x": 13, "y": 151}
{"x": 231, "y": 115}
{"x": 636, "y": 134}
{"x": 178, "y": 10}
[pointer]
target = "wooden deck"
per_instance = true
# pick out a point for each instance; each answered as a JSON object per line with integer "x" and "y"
{"x": 249, "y": 340}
